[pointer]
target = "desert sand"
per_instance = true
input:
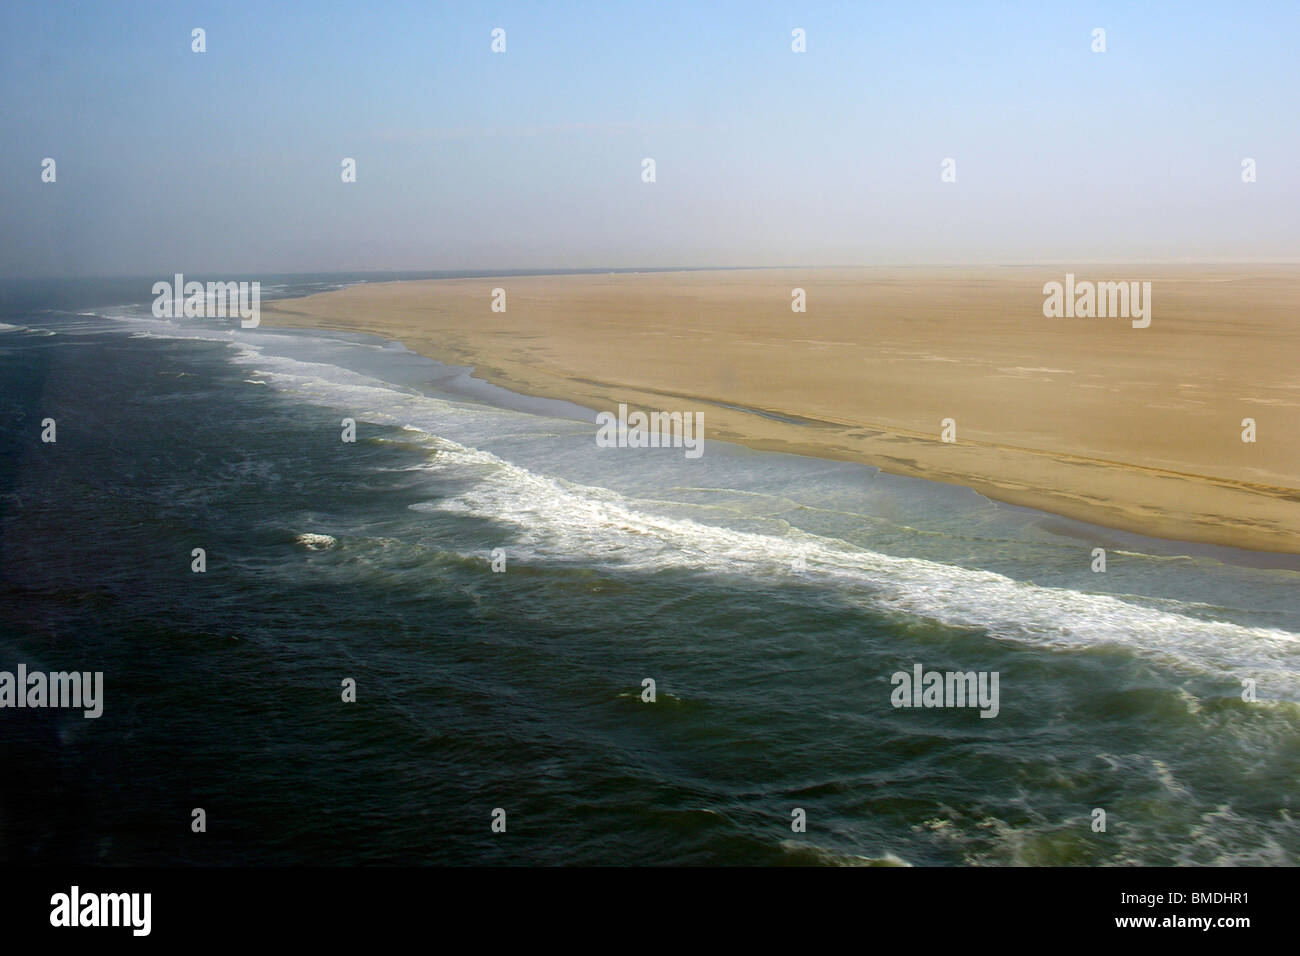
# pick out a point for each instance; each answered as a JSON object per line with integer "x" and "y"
{"x": 1091, "y": 418}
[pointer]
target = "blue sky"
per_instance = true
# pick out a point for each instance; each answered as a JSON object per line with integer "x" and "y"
{"x": 229, "y": 161}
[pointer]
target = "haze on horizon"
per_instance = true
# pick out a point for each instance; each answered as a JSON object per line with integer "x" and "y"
{"x": 228, "y": 161}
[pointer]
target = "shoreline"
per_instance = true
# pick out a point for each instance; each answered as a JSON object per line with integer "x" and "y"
{"x": 597, "y": 340}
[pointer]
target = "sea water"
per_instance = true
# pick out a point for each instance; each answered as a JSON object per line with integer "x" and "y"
{"x": 769, "y": 597}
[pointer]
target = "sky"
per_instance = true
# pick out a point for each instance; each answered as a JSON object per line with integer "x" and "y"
{"x": 229, "y": 161}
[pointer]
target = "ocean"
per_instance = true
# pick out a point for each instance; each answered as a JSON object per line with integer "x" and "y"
{"x": 771, "y": 599}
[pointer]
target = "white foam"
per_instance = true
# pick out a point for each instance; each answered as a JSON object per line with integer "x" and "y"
{"x": 560, "y": 521}
{"x": 557, "y": 521}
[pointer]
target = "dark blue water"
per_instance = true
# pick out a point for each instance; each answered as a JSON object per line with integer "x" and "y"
{"x": 522, "y": 690}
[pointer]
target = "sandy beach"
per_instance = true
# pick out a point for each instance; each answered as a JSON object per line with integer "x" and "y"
{"x": 1132, "y": 428}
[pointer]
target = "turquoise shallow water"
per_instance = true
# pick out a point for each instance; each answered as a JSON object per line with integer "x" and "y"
{"x": 521, "y": 690}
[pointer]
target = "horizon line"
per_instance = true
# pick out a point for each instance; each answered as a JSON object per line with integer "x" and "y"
{"x": 470, "y": 273}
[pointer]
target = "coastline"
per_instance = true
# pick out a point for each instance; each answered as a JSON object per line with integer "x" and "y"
{"x": 1089, "y": 419}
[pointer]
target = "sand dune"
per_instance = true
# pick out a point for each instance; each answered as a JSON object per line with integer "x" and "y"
{"x": 1134, "y": 428}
